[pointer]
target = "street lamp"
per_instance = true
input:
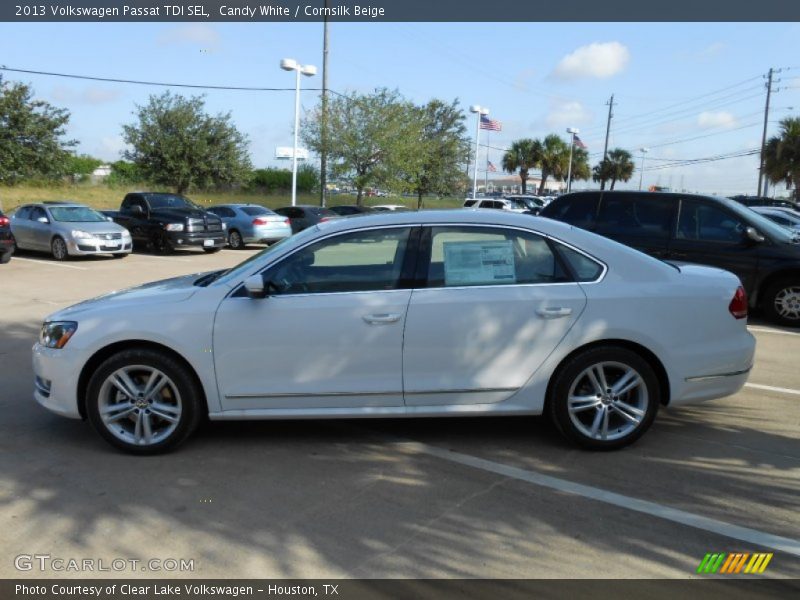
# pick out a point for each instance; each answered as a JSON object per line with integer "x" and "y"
{"x": 289, "y": 64}
{"x": 641, "y": 171}
{"x": 479, "y": 111}
{"x": 573, "y": 131}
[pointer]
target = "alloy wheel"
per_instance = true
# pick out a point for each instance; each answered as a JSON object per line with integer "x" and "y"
{"x": 59, "y": 249}
{"x": 787, "y": 303}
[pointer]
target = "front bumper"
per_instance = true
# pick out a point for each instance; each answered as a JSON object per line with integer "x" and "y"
{"x": 85, "y": 247}
{"x": 56, "y": 380}
{"x": 179, "y": 239}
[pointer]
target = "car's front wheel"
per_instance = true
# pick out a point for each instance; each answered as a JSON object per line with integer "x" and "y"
{"x": 604, "y": 398}
{"x": 143, "y": 401}
{"x": 782, "y": 303}
{"x": 58, "y": 248}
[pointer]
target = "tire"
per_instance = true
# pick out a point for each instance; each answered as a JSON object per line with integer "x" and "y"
{"x": 211, "y": 250}
{"x": 5, "y": 257}
{"x": 160, "y": 244}
{"x": 120, "y": 410}
{"x": 58, "y": 248}
{"x": 235, "y": 240}
{"x": 583, "y": 421}
{"x": 781, "y": 303}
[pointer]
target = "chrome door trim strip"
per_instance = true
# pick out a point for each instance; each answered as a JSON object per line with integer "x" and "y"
{"x": 385, "y": 393}
{"x": 719, "y": 376}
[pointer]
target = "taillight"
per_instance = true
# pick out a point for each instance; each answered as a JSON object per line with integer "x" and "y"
{"x": 4, "y": 221}
{"x": 738, "y": 305}
{"x": 287, "y": 222}
{"x": 323, "y": 219}
{"x": 259, "y": 222}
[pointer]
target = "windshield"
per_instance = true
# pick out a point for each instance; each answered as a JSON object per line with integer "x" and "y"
{"x": 158, "y": 201}
{"x": 233, "y": 275}
{"x": 777, "y": 232}
{"x": 76, "y": 214}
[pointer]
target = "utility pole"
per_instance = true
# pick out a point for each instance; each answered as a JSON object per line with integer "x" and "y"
{"x": 764, "y": 133}
{"x": 323, "y": 159}
{"x": 610, "y": 104}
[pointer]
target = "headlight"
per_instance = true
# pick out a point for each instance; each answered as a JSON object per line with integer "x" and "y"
{"x": 56, "y": 334}
{"x": 224, "y": 226}
{"x": 174, "y": 226}
{"x": 81, "y": 235}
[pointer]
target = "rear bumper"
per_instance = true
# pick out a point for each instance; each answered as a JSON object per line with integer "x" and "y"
{"x": 265, "y": 235}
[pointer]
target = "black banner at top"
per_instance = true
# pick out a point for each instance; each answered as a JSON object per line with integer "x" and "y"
{"x": 368, "y": 11}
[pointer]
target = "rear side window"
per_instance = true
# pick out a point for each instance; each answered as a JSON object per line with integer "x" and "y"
{"x": 707, "y": 223}
{"x": 635, "y": 215}
{"x": 23, "y": 213}
{"x": 584, "y": 268}
{"x": 578, "y": 210}
{"x": 468, "y": 203}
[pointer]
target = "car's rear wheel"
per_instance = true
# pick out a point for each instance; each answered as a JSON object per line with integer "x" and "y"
{"x": 604, "y": 398}
{"x": 782, "y": 302}
{"x": 143, "y": 401}
{"x": 58, "y": 248}
{"x": 235, "y": 240}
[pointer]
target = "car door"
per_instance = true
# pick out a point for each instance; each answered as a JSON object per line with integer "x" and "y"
{"x": 494, "y": 304}
{"x": 709, "y": 234}
{"x": 21, "y": 227}
{"x": 641, "y": 221}
{"x": 330, "y": 333}
{"x": 40, "y": 229}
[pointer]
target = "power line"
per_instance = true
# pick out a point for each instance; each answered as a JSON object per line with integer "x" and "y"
{"x": 708, "y": 159}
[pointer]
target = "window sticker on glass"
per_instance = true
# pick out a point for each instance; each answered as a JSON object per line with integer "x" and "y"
{"x": 479, "y": 263}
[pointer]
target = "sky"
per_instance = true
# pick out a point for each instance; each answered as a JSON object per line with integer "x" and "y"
{"x": 671, "y": 82}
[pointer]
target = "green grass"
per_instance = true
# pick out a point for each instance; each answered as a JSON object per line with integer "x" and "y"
{"x": 106, "y": 197}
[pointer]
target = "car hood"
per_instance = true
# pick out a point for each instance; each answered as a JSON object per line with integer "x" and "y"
{"x": 176, "y": 289}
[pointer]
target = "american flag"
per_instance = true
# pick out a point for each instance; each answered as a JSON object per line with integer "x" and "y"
{"x": 490, "y": 167}
{"x": 490, "y": 124}
{"x": 579, "y": 143}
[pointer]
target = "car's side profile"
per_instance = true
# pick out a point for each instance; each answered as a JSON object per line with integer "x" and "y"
{"x": 436, "y": 313}
{"x": 251, "y": 224}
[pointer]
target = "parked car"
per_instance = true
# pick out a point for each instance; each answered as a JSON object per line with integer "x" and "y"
{"x": 251, "y": 224}
{"x": 163, "y": 222}
{"x": 533, "y": 204}
{"x": 348, "y": 210}
{"x": 782, "y": 216}
{"x": 700, "y": 229}
{"x": 7, "y": 246}
{"x": 442, "y": 313}
{"x": 67, "y": 229}
{"x": 765, "y": 201}
{"x": 389, "y": 207}
{"x": 496, "y": 203}
{"x": 304, "y": 216}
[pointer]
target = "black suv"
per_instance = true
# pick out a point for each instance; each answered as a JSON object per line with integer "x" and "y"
{"x": 700, "y": 229}
{"x": 7, "y": 246}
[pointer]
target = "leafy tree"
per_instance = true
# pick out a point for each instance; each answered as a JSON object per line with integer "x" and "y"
{"x": 370, "y": 137}
{"x": 553, "y": 160}
{"x": 618, "y": 166}
{"x": 523, "y": 155}
{"x": 273, "y": 180}
{"x": 782, "y": 156}
{"x": 80, "y": 166}
{"x": 307, "y": 178}
{"x": 32, "y": 132}
{"x": 175, "y": 143}
{"x": 436, "y": 165}
{"x": 581, "y": 171}
{"x": 123, "y": 172}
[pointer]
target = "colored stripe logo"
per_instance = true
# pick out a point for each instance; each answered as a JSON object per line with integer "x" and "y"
{"x": 734, "y": 563}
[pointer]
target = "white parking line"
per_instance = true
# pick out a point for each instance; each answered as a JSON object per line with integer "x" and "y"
{"x": 48, "y": 263}
{"x": 768, "y": 330}
{"x": 744, "y": 534}
{"x": 772, "y": 388}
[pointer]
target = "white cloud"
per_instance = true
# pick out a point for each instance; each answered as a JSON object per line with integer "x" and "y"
{"x": 712, "y": 50}
{"x": 708, "y": 119}
{"x": 192, "y": 33}
{"x": 89, "y": 95}
{"x": 597, "y": 60}
{"x": 567, "y": 114}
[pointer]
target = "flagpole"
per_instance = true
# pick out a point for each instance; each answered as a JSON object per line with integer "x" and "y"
{"x": 486, "y": 173}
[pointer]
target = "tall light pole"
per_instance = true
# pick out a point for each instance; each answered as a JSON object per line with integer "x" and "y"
{"x": 479, "y": 112}
{"x": 573, "y": 131}
{"x": 289, "y": 64}
{"x": 641, "y": 171}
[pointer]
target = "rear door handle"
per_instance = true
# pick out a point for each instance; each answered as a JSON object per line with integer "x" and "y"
{"x": 554, "y": 313}
{"x": 382, "y": 318}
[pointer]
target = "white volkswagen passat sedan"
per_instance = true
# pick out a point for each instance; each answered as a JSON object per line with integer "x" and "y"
{"x": 409, "y": 314}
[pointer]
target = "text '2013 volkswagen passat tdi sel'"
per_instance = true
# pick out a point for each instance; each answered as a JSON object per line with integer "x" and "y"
{"x": 415, "y": 314}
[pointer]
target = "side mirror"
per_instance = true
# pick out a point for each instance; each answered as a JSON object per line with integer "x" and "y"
{"x": 255, "y": 286}
{"x": 753, "y": 235}
{"x": 43, "y": 220}
{"x": 109, "y": 219}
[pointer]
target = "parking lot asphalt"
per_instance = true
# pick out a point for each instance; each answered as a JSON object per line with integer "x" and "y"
{"x": 500, "y": 497}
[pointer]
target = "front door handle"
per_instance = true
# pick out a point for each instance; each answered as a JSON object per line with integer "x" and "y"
{"x": 554, "y": 313}
{"x": 382, "y": 318}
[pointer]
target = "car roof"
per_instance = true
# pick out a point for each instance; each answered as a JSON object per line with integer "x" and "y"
{"x": 56, "y": 203}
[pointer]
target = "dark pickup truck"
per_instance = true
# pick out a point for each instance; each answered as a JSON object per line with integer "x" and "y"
{"x": 163, "y": 222}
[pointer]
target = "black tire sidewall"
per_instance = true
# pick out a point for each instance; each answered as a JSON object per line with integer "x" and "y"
{"x": 768, "y": 303}
{"x": 52, "y": 248}
{"x": 240, "y": 245}
{"x": 564, "y": 378}
{"x": 191, "y": 398}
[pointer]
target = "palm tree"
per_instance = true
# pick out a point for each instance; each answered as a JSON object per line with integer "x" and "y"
{"x": 617, "y": 166}
{"x": 782, "y": 156}
{"x": 554, "y": 160}
{"x": 524, "y": 155}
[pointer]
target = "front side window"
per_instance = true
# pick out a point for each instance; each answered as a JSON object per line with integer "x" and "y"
{"x": 353, "y": 262}
{"x": 37, "y": 213}
{"x": 464, "y": 256}
{"x": 702, "y": 222}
